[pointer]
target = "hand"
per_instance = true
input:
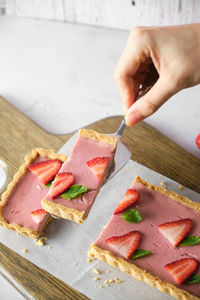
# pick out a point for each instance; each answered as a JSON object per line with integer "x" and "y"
{"x": 175, "y": 53}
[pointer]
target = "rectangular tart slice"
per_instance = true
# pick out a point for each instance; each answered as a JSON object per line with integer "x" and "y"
{"x": 20, "y": 207}
{"x": 145, "y": 236}
{"x": 89, "y": 163}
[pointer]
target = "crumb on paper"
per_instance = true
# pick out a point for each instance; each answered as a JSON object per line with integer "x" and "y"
{"x": 74, "y": 225}
{"x": 49, "y": 247}
{"x": 107, "y": 284}
{"x": 159, "y": 176}
{"x": 24, "y": 250}
{"x": 101, "y": 286}
{"x": 180, "y": 187}
{"x": 39, "y": 242}
{"x": 117, "y": 280}
{"x": 139, "y": 168}
{"x": 89, "y": 260}
{"x": 108, "y": 271}
{"x": 38, "y": 187}
{"x": 96, "y": 278}
{"x": 96, "y": 271}
{"x": 104, "y": 226}
{"x": 127, "y": 168}
{"x": 90, "y": 255}
{"x": 162, "y": 183}
{"x": 75, "y": 263}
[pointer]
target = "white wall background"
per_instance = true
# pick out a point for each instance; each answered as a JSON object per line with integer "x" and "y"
{"x": 120, "y": 14}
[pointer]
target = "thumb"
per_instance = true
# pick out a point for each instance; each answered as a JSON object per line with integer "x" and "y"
{"x": 149, "y": 103}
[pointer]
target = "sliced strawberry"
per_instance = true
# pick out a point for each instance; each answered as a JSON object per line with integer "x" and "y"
{"x": 46, "y": 170}
{"x": 125, "y": 244}
{"x": 98, "y": 166}
{"x": 176, "y": 231}
{"x": 130, "y": 197}
{"x": 198, "y": 141}
{"x": 182, "y": 269}
{"x": 38, "y": 215}
{"x": 61, "y": 183}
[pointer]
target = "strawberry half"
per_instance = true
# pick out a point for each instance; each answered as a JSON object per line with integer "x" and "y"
{"x": 38, "y": 215}
{"x": 176, "y": 231}
{"x": 198, "y": 141}
{"x": 130, "y": 197}
{"x": 98, "y": 166}
{"x": 125, "y": 244}
{"x": 61, "y": 183}
{"x": 46, "y": 170}
{"x": 182, "y": 269}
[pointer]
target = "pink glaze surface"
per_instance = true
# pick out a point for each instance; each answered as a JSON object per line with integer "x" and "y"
{"x": 26, "y": 197}
{"x": 85, "y": 149}
{"x": 156, "y": 209}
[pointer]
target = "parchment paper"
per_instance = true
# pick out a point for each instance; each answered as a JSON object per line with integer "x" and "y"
{"x": 67, "y": 259}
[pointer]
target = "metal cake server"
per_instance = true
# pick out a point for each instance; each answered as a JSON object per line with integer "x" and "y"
{"x": 123, "y": 153}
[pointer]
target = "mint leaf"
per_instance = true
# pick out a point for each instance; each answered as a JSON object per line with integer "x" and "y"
{"x": 131, "y": 216}
{"x": 194, "y": 279}
{"x": 140, "y": 253}
{"x": 48, "y": 184}
{"x": 190, "y": 241}
{"x": 74, "y": 191}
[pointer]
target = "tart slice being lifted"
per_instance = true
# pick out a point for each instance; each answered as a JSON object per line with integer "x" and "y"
{"x": 87, "y": 167}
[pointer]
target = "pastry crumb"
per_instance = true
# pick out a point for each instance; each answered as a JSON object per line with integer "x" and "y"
{"x": 75, "y": 263}
{"x": 24, "y": 250}
{"x": 127, "y": 168}
{"x": 180, "y": 187}
{"x": 162, "y": 183}
{"x": 89, "y": 260}
{"x": 108, "y": 271}
{"x": 74, "y": 225}
{"x": 96, "y": 278}
{"x": 96, "y": 271}
{"x": 49, "y": 247}
{"x": 38, "y": 187}
{"x": 107, "y": 284}
{"x": 139, "y": 168}
{"x": 39, "y": 242}
{"x": 117, "y": 280}
{"x": 101, "y": 286}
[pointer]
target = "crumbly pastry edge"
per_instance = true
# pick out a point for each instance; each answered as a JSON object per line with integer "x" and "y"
{"x": 22, "y": 170}
{"x": 91, "y": 134}
{"x": 61, "y": 211}
{"x": 137, "y": 272}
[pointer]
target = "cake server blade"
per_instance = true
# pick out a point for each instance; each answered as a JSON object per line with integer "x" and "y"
{"x": 123, "y": 153}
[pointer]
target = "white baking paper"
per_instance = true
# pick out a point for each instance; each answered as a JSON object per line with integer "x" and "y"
{"x": 67, "y": 259}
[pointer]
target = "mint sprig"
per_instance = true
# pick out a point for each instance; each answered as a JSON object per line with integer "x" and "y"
{"x": 140, "y": 253}
{"x": 194, "y": 279}
{"x": 190, "y": 240}
{"x": 48, "y": 184}
{"x": 74, "y": 191}
{"x": 131, "y": 216}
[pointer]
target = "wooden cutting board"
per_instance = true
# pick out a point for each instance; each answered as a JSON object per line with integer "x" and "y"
{"x": 19, "y": 135}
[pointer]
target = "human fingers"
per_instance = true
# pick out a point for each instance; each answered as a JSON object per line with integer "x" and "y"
{"x": 150, "y": 102}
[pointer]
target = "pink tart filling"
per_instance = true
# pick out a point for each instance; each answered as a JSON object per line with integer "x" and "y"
{"x": 156, "y": 209}
{"x": 83, "y": 151}
{"x": 26, "y": 198}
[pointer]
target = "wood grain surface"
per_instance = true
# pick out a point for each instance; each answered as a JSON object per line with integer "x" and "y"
{"x": 19, "y": 135}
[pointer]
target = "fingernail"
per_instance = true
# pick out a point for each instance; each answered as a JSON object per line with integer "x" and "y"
{"x": 133, "y": 118}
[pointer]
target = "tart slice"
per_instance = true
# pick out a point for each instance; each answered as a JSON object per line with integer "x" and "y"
{"x": 89, "y": 163}
{"x": 164, "y": 258}
{"x": 20, "y": 208}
